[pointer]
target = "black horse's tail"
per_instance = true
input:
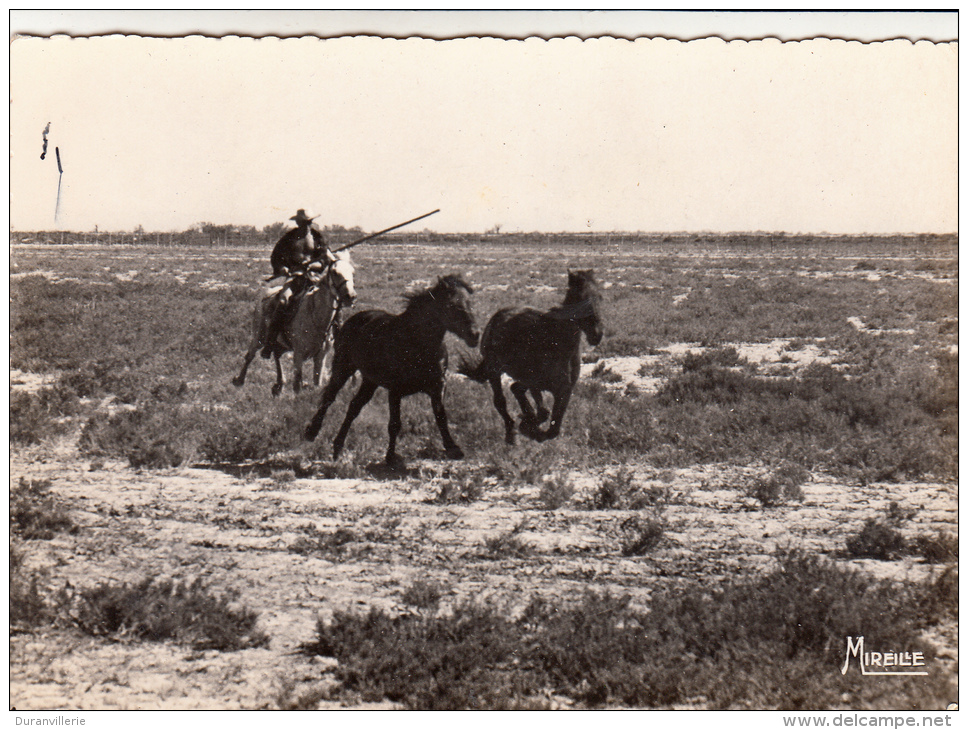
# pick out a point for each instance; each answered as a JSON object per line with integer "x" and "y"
{"x": 475, "y": 371}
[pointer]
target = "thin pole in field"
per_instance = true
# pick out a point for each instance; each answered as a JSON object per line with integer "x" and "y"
{"x": 60, "y": 178}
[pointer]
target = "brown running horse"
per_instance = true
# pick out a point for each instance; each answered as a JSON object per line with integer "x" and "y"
{"x": 540, "y": 351}
{"x": 404, "y": 353}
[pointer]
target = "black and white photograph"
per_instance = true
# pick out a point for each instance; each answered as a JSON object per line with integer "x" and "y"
{"x": 483, "y": 360}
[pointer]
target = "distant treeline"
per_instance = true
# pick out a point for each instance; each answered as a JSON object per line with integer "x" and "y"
{"x": 210, "y": 235}
{"x": 202, "y": 234}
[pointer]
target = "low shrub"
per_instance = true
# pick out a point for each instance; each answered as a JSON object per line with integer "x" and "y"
{"x": 153, "y": 437}
{"x": 613, "y": 489}
{"x": 538, "y": 464}
{"x": 243, "y": 434}
{"x": 342, "y": 469}
{"x": 159, "y": 434}
{"x": 524, "y": 463}
{"x": 780, "y": 485}
{"x": 423, "y": 594}
{"x": 706, "y": 384}
{"x": 428, "y": 663}
{"x": 29, "y": 423}
{"x": 288, "y": 698}
{"x": 869, "y": 427}
{"x": 507, "y": 544}
{"x": 897, "y": 516}
{"x": 642, "y": 535}
{"x": 35, "y": 514}
{"x": 939, "y": 548}
{"x": 615, "y": 424}
{"x": 736, "y": 645}
{"x": 937, "y": 597}
{"x": 722, "y": 356}
{"x": 556, "y": 491}
{"x": 617, "y": 490}
{"x": 29, "y": 606}
{"x": 38, "y": 416}
{"x": 652, "y": 497}
{"x": 464, "y": 490}
{"x": 876, "y": 540}
{"x": 162, "y": 609}
{"x": 604, "y": 374}
{"x": 100, "y": 379}
{"x": 334, "y": 545}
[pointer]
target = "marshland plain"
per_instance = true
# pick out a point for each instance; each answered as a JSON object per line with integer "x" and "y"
{"x": 759, "y": 460}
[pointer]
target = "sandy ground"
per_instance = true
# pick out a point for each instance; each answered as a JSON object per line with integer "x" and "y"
{"x": 249, "y": 533}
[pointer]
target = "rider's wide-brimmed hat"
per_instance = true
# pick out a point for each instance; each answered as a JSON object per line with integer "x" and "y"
{"x": 303, "y": 217}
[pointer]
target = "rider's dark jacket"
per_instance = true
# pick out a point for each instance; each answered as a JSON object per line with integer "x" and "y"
{"x": 296, "y": 249}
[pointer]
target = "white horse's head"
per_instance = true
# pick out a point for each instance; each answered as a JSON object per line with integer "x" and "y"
{"x": 342, "y": 278}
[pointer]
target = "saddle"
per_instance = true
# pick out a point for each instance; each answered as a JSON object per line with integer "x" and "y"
{"x": 286, "y": 288}
{"x": 281, "y": 297}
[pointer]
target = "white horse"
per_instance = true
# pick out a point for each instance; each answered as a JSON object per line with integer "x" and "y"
{"x": 309, "y": 331}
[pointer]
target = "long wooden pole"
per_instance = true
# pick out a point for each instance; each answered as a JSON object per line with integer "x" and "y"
{"x": 387, "y": 230}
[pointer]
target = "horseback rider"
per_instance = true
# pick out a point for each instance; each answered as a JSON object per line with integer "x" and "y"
{"x": 291, "y": 257}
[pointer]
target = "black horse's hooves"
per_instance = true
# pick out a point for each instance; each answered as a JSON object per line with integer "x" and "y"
{"x": 529, "y": 429}
{"x": 238, "y": 383}
{"x": 394, "y": 462}
{"x": 454, "y": 452}
{"x": 310, "y": 433}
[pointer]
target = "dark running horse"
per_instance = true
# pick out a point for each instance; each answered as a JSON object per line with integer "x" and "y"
{"x": 403, "y": 353}
{"x": 307, "y": 333}
{"x": 540, "y": 351}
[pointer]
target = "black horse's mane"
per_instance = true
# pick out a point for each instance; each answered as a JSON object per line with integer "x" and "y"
{"x": 581, "y": 297}
{"x": 581, "y": 285}
{"x": 449, "y": 282}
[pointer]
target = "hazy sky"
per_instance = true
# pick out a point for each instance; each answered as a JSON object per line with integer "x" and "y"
{"x": 601, "y": 134}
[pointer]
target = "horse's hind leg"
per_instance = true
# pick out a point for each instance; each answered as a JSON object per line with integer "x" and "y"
{"x": 336, "y": 382}
{"x": 501, "y": 403}
{"x": 361, "y": 398}
{"x": 255, "y": 344}
{"x": 297, "y": 367}
{"x": 452, "y": 450}
{"x": 557, "y": 415}
{"x": 239, "y": 379}
{"x": 542, "y": 413}
{"x": 521, "y": 393}
{"x": 318, "y": 360}
{"x": 393, "y": 427}
{"x": 529, "y": 419}
{"x": 280, "y": 380}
